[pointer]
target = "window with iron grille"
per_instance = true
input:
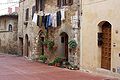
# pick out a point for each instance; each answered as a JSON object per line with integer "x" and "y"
{"x": 40, "y": 5}
{"x": 61, "y": 3}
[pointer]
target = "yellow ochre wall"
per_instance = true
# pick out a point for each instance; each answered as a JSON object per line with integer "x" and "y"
{"x": 93, "y": 12}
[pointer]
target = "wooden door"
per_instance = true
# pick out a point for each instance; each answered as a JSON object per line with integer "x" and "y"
{"x": 26, "y": 46}
{"x": 66, "y": 46}
{"x": 21, "y": 46}
{"x": 106, "y": 48}
{"x": 64, "y": 41}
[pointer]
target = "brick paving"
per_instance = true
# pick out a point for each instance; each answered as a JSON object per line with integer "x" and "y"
{"x": 18, "y": 68}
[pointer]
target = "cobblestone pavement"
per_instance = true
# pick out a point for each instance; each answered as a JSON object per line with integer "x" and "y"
{"x": 18, "y": 68}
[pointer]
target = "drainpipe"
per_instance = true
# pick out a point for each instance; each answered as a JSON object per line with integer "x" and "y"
{"x": 79, "y": 25}
{"x": 23, "y": 18}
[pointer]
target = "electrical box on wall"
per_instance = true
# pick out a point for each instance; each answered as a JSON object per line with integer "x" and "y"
{"x": 118, "y": 70}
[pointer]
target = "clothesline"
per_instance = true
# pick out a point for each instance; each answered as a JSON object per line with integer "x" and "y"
{"x": 49, "y": 19}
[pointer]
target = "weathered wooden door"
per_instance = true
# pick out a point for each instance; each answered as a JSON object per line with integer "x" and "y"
{"x": 21, "y": 45}
{"x": 64, "y": 41}
{"x": 66, "y": 46}
{"x": 106, "y": 47}
{"x": 26, "y": 46}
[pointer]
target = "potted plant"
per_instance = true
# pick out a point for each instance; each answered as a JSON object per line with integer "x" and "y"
{"x": 72, "y": 44}
{"x": 43, "y": 58}
{"x": 57, "y": 61}
{"x": 51, "y": 63}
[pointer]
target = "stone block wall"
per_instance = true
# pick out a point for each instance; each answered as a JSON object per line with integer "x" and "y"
{"x": 32, "y": 30}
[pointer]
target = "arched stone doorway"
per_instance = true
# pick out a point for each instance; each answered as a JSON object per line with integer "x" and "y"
{"x": 21, "y": 46}
{"x": 105, "y": 38}
{"x": 64, "y": 42}
{"x": 40, "y": 42}
{"x": 26, "y": 46}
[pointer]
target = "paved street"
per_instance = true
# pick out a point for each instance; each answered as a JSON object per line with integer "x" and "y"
{"x": 17, "y": 68}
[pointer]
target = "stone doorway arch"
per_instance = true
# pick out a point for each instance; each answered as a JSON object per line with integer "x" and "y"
{"x": 41, "y": 39}
{"x": 64, "y": 41}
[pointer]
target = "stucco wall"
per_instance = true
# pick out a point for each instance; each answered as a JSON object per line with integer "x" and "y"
{"x": 95, "y": 11}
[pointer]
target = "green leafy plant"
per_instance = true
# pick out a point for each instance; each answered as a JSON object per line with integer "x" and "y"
{"x": 72, "y": 44}
{"x": 43, "y": 58}
{"x": 50, "y": 44}
{"x": 57, "y": 60}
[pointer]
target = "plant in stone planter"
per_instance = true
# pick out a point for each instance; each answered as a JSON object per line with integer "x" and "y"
{"x": 72, "y": 44}
{"x": 43, "y": 58}
{"x": 51, "y": 63}
{"x": 57, "y": 61}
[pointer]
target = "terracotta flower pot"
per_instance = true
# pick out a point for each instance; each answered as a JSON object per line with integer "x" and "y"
{"x": 57, "y": 64}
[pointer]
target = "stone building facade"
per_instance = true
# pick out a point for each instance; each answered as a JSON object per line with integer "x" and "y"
{"x": 8, "y": 33}
{"x": 97, "y": 33}
{"x": 30, "y": 33}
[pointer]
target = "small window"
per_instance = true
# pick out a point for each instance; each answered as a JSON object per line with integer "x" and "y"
{"x": 61, "y": 3}
{"x": 70, "y": 2}
{"x": 40, "y": 5}
{"x": 64, "y": 2}
{"x": 10, "y": 27}
{"x": 33, "y": 11}
{"x": 37, "y": 5}
{"x": 27, "y": 14}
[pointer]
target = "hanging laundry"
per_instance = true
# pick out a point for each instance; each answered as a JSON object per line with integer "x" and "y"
{"x": 59, "y": 18}
{"x": 35, "y": 18}
{"x": 49, "y": 21}
{"x": 41, "y": 13}
{"x": 43, "y": 19}
{"x": 62, "y": 14}
{"x": 38, "y": 20}
{"x": 45, "y": 22}
{"x": 54, "y": 20}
